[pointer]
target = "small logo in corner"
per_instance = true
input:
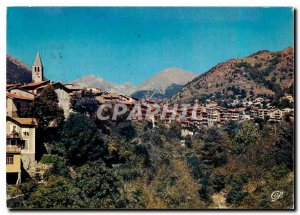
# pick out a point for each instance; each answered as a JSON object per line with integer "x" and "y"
{"x": 276, "y": 195}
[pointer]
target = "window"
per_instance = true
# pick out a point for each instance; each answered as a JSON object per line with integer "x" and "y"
{"x": 25, "y": 131}
{"x": 26, "y": 144}
{"x": 9, "y": 159}
{"x": 13, "y": 142}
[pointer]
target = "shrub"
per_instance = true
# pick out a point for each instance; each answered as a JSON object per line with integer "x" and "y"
{"x": 236, "y": 196}
{"x": 49, "y": 159}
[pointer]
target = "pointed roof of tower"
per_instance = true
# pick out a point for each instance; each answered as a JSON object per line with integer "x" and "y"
{"x": 37, "y": 60}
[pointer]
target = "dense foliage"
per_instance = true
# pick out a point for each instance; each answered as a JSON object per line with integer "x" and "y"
{"x": 45, "y": 108}
{"x": 81, "y": 140}
{"x": 137, "y": 166}
{"x": 84, "y": 102}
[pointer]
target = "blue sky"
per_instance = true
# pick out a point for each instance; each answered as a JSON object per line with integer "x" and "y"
{"x": 131, "y": 44}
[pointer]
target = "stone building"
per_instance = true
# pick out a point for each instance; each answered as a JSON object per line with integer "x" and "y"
{"x": 37, "y": 69}
{"x": 39, "y": 83}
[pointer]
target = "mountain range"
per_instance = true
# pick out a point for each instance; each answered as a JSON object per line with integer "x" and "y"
{"x": 264, "y": 72}
{"x": 162, "y": 85}
{"x": 91, "y": 80}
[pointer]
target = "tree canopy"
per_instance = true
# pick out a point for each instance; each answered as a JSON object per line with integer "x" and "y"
{"x": 45, "y": 108}
{"x": 81, "y": 140}
{"x": 84, "y": 102}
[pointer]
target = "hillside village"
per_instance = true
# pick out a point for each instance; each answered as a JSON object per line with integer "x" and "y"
{"x": 27, "y": 149}
{"x": 146, "y": 108}
{"x": 21, "y": 132}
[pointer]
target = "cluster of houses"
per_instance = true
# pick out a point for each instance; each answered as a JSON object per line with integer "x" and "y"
{"x": 210, "y": 114}
{"x": 21, "y": 132}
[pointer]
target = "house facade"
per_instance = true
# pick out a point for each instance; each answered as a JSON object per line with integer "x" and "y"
{"x": 21, "y": 139}
{"x": 13, "y": 158}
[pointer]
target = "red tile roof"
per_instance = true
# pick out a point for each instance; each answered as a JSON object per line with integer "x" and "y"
{"x": 110, "y": 96}
{"x": 100, "y": 99}
{"x": 12, "y": 86}
{"x": 19, "y": 88}
{"x": 14, "y": 96}
{"x": 75, "y": 88}
{"x": 35, "y": 84}
{"x": 26, "y": 121}
{"x": 125, "y": 102}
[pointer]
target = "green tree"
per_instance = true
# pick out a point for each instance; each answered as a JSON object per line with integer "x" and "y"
{"x": 285, "y": 103}
{"x": 57, "y": 193}
{"x": 208, "y": 156}
{"x": 245, "y": 138}
{"x": 284, "y": 145}
{"x": 153, "y": 136}
{"x": 213, "y": 154}
{"x": 236, "y": 195}
{"x": 290, "y": 89}
{"x": 126, "y": 129}
{"x": 282, "y": 103}
{"x": 232, "y": 127}
{"x": 188, "y": 141}
{"x": 82, "y": 141}
{"x": 260, "y": 122}
{"x": 218, "y": 182}
{"x": 101, "y": 186}
{"x": 45, "y": 108}
{"x": 58, "y": 167}
{"x": 84, "y": 102}
{"x": 175, "y": 130}
{"x": 243, "y": 93}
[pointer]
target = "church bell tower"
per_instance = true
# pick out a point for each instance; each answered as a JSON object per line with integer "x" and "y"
{"x": 37, "y": 69}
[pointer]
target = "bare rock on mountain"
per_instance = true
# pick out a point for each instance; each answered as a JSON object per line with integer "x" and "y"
{"x": 94, "y": 81}
{"x": 164, "y": 84}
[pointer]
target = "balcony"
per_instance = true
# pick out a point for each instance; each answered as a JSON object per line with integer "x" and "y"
{"x": 13, "y": 149}
{"x": 14, "y": 134}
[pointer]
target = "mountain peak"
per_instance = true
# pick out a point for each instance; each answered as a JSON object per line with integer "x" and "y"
{"x": 91, "y": 80}
{"x": 164, "y": 84}
{"x": 165, "y": 78}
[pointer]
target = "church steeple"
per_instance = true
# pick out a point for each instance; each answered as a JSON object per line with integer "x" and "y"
{"x": 37, "y": 69}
